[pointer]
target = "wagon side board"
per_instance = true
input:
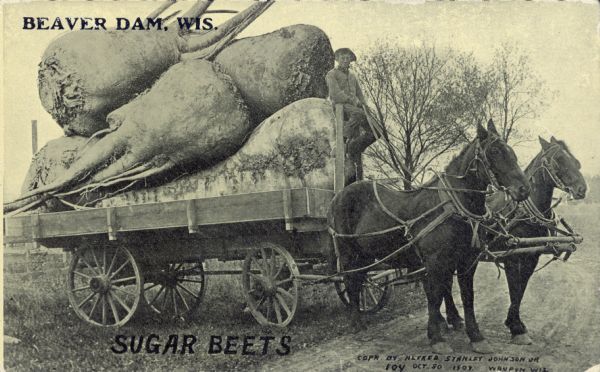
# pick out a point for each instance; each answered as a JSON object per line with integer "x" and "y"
{"x": 298, "y": 210}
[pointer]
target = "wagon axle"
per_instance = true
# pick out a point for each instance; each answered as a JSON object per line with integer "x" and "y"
{"x": 100, "y": 284}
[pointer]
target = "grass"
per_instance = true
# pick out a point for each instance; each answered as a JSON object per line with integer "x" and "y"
{"x": 37, "y": 312}
{"x": 53, "y": 338}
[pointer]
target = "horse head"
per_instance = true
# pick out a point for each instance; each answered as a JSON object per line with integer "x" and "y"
{"x": 499, "y": 166}
{"x": 562, "y": 167}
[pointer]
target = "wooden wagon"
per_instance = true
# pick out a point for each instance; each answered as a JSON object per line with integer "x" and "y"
{"x": 153, "y": 254}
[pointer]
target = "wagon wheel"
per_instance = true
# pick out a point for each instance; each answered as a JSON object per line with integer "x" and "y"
{"x": 175, "y": 290}
{"x": 104, "y": 285}
{"x": 269, "y": 285}
{"x": 373, "y": 295}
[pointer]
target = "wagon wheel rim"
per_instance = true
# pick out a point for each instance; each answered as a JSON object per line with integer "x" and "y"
{"x": 269, "y": 285}
{"x": 176, "y": 290}
{"x": 104, "y": 285}
{"x": 373, "y": 296}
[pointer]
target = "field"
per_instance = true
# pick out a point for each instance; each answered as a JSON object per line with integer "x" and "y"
{"x": 37, "y": 312}
{"x": 53, "y": 338}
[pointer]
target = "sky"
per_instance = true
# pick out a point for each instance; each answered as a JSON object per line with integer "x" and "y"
{"x": 561, "y": 39}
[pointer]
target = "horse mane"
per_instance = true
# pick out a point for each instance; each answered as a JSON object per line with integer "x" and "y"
{"x": 459, "y": 157}
{"x": 534, "y": 162}
{"x": 568, "y": 151}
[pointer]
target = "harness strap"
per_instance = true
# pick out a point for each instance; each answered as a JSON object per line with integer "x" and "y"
{"x": 384, "y": 208}
{"x": 447, "y": 212}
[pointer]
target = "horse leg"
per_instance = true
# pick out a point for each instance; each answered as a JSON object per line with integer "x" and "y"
{"x": 452, "y": 315}
{"x": 354, "y": 283}
{"x": 434, "y": 289}
{"x": 466, "y": 272}
{"x": 518, "y": 273}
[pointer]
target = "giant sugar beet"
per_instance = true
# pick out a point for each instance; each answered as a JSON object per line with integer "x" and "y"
{"x": 84, "y": 75}
{"x": 192, "y": 116}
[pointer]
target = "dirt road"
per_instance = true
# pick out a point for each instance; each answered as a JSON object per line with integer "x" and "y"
{"x": 561, "y": 309}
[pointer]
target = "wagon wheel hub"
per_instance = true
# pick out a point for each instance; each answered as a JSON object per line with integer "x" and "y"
{"x": 270, "y": 287}
{"x": 100, "y": 284}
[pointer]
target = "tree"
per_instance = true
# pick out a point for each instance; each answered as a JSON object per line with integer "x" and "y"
{"x": 425, "y": 99}
{"x": 518, "y": 94}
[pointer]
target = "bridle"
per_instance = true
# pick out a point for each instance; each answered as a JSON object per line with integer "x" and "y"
{"x": 548, "y": 164}
{"x": 480, "y": 156}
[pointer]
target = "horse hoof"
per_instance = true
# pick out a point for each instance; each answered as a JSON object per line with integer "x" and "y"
{"x": 482, "y": 347}
{"x": 441, "y": 348}
{"x": 522, "y": 339}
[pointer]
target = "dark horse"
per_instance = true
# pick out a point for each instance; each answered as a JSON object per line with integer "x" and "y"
{"x": 441, "y": 220}
{"x": 554, "y": 167}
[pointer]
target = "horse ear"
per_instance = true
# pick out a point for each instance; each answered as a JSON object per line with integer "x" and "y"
{"x": 545, "y": 144}
{"x": 481, "y": 132}
{"x": 491, "y": 127}
{"x": 553, "y": 140}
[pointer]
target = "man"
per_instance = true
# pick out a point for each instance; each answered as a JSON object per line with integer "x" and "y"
{"x": 344, "y": 89}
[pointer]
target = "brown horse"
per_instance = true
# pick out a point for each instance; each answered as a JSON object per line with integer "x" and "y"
{"x": 554, "y": 167}
{"x": 370, "y": 222}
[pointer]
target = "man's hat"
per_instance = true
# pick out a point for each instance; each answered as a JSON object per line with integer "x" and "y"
{"x": 342, "y": 51}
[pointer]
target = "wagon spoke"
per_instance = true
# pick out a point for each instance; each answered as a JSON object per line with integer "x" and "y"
{"x": 81, "y": 274}
{"x": 178, "y": 267}
{"x": 188, "y": 291}
{"x": 260, "y": 266}
{"x": 191, "y": 280}
{"x": 80, "y": 288}
{"x": 86, "y": 300}
{"x": 156, "y": 297}
{"x": 112, "y": 261}
{"x": 113, "y": 308}
{"x": 372, "y": 295}
{"x": 257, "y": 277}
{"x": 121, "y": 302}
{"x": 103, "y": 310}
{"x": 119, "y": 269}
{"x": 122, "y": 290}
{"x": 285, "y": 293}
{"x": 174, "y": 302}
{"x": 123, "y": 280}
{"x": 277, "y": 310}
{"x": 87, "y": 264}
{"x": 268, "y": 304}
{"x": 103, "y": 260}
{"x": 279, "y": 283}
{"x": 152, "y": 286}
{"x": 279, "y": 270}
{"x": 96, "y": 261}
{"x": 265, "y": 261}
{"x": 182, "y": 299}
{"x": 94, "y": 307}
{"x": 165, "y": 297}
{"x": 283, "y": 304}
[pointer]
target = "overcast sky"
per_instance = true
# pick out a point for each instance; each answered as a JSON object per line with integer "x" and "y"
{"x": 562, "y": 39}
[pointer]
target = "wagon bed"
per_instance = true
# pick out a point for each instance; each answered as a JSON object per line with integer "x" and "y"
{"x": 300, "y": 210}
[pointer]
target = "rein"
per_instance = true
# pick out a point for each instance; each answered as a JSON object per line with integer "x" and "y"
{"x": 450, "y": 204}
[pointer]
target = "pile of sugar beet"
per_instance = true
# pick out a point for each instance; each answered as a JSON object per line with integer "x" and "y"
{"x": 157, "y": 116}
